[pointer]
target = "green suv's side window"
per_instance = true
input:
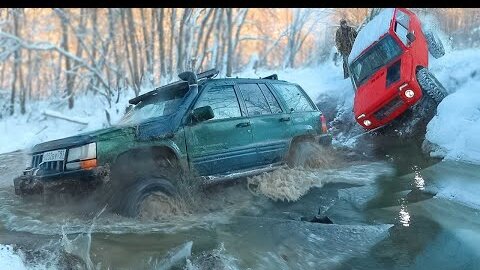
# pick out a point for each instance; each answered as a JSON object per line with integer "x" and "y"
{"x": 254, "y": 99}
{"x": 295, "y": 99}
{"x": 272, "y": 101}
{"x": 223, "y": 101}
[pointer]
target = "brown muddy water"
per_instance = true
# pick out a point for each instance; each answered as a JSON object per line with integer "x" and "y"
{"x": 386, "y": 210}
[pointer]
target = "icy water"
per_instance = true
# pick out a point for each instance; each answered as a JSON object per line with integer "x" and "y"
{"x": 387, "y": 208}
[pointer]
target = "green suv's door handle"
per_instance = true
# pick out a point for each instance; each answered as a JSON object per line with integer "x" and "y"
{"x": 285, "y": 119}
{"x": 243, "y": 124}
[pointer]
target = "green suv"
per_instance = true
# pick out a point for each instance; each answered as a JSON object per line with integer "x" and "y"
{"x": 211, "y": 129}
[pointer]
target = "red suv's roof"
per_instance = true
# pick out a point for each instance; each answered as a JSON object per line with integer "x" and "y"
{"x": 371, "y": 32}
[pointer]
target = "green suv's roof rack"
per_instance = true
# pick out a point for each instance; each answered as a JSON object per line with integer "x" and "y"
{"x": 202, "y": 75}
{"x": 271, "y": 77}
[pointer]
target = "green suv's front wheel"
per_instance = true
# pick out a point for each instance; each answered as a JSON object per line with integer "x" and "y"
{"x": 143, "y": 196}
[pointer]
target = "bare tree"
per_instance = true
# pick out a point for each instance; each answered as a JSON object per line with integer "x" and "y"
{"x": 202, "y": 31}
{"x": 229, "y": 42}
{"x": 173, "y": 18}
{"x": 296, "y": 34}
{"x": 161, "y": 40}
{"x": 205, "y": 48}
{"x": 240, "y": 21}
{"x": 181, "y": 39}
{"x": 148, "y": 44}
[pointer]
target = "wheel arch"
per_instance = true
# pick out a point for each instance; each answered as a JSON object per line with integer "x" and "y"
{"x": 297, "y": 139}
{"x": 143, "y": 159}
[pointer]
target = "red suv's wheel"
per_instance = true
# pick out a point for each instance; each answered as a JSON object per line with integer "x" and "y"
{"x": 430, "y": 85}
{"x": 435, "y": 45}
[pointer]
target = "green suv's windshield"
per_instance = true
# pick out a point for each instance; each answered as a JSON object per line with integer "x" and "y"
{"x": 376, "y": 57}
{"x": 163, "y": 103}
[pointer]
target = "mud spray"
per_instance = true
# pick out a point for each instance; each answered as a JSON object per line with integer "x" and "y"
{"x": 308, "y": 159}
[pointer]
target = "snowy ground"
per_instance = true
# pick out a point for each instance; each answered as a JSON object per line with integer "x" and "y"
{"x": 456, "y": 127}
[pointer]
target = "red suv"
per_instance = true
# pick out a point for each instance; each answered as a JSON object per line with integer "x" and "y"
{"x": 388, "y": 66}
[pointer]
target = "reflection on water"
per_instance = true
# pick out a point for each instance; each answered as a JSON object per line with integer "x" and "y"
{"x": 419, "y": 181}
{"x": 403, "y": 215}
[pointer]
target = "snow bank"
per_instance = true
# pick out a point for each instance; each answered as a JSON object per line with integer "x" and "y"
{"x": 456, "y": 127}
{"x": 454, "y": 181}
{"x": 10, "y": 259}
{"x": 371, "y": 32}
{"x": 15, "y": 260}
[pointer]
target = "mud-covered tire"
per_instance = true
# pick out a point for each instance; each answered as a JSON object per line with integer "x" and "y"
{"x": 435, "y": 45}
{"x": 130, "y": 201}
{"x": 430, "y": 85}
{"x": 135, "y": 176}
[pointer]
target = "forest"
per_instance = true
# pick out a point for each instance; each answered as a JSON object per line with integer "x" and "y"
{"x": 62, "y": 53}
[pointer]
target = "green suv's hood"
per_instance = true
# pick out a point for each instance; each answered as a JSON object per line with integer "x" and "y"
{"x": 81, "y": 139}
{"x": 153, "y": 128}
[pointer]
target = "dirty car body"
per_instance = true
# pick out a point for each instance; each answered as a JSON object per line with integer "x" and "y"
{"x": 252, "y": 125}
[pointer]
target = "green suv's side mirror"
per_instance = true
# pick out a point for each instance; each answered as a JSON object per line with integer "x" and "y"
{"x": 202, "y": 114}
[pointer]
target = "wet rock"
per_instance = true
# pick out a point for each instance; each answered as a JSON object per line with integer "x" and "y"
{"x": 318, "y": 219}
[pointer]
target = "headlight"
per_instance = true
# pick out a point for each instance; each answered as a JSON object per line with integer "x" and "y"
{"x": 367, "y": 122}
{"x": 409, "y": 93}
{"x": 28, "y": 161}
{"x": 83, "y": 152}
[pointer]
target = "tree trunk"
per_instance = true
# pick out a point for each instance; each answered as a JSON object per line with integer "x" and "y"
{"x": 132, "y": 66}
{"x": 201, "y": 33}
{"x": 161, "y": 41}
{"x": 151, "y": 37}
{"x": 118, "y": 62}
{"x": 15, "y": 64}
{"x": 229, "y": 42}
{"x": 68, "y": 67}
{"x": 147, "y": 44}
{"x": 242, "y": 15}
{"x": 134, "y": 47}
{"x": 207, "y": 38}
{"x": 93, "y": 82}
{"x": 173, "y": 19}
{"x": 180, "y": 43}
{"x": 218, "y": 30}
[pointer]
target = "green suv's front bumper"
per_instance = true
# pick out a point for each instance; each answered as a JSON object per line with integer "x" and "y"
{"x": 73, "y": 182}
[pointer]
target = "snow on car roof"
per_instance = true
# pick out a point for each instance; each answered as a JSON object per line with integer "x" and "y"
{"x": 371, "y": 32}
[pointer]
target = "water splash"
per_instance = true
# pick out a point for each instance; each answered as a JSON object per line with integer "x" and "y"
{"x": 175, "y": 256}
{"x": 282, "y": 184}
{"x": 80, "y": 246}
{"x": 216, "y": 259}
{"x": 290, "y": 184}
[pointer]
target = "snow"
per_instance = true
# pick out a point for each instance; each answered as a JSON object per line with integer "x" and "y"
{"x": 371, "y": 32}
{"x": 456, "y": 127}
{"x": 11, "y": 258}
{"x": 59, "y": 115}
